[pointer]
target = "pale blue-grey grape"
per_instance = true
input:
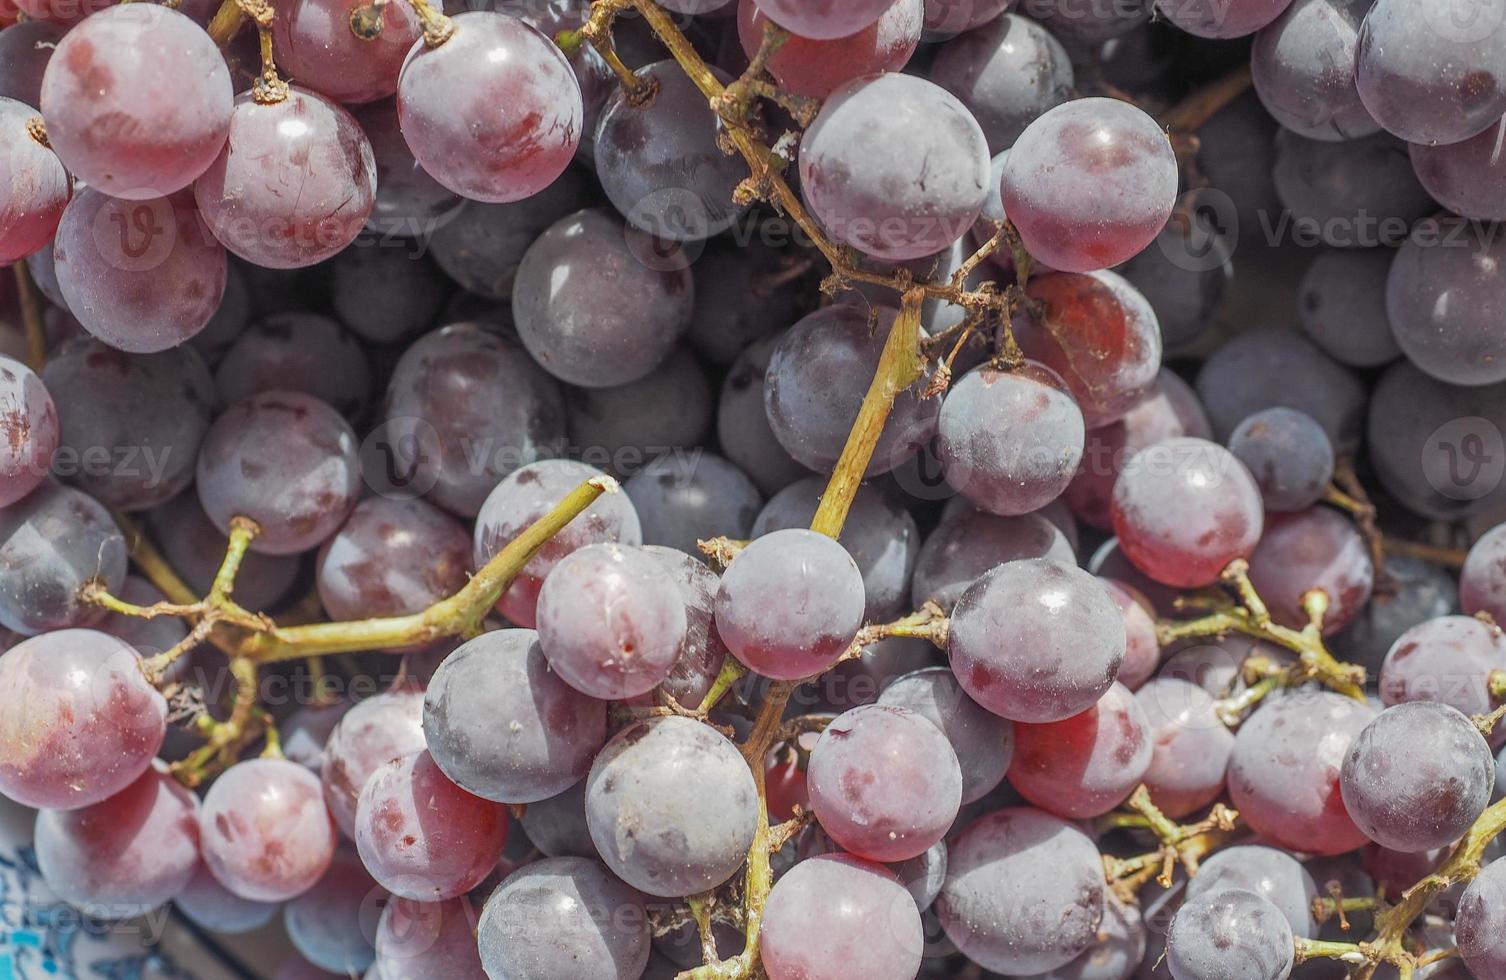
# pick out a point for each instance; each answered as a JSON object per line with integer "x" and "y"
{"x": 742, "y": 425}
{"x": 1288, "y": 454}
{"x": 557, "y": 825}
{"x": 333, "y": 924}
{"x": 210, "y": 905}
{"x": 982, "y": 741}
{"x": 54, "y": 541}
{"x": 1232, "y": 934}
{"x": 682, "y": 498}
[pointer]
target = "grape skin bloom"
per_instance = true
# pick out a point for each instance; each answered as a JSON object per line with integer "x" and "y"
{"x": 835, "y": 916}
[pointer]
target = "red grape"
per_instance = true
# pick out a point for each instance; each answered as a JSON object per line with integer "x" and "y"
{"x": 265, "y": 831}
{"x": 813, "y": 68}
{"x": 36, "y": 185}
{"x": 1086, "y": 765}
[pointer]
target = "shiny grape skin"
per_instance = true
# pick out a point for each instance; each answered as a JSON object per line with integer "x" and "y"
{"x": 264, "y": 830}
{"x": 1465, "y": 177}
{"x": 392, "y": 557}
{"x": 305, "y": 142}
{"x": 315, "y": 43}
{"x": 1007, "y": 73}
{"x": 1358, "y": 193}
{"x": 591, "y": 310}
{"x": 813, "y": 68}
{"x": 210, "y": 905}
{"x": 106, "y": 133}
{"x": 1235, "y": 383}
{"x": 970, "y": 543}
{"x": 1448, "y": 659}
{"x": 143, "y": 415}
{"x": 683, "y": 498}
{"x": 1418, "y": 776}
{"x": 1272, "y": 874}
{"x": 817, "y": 376}
{"x": 194, "y": 547}
{"x": 1317, "y": 548}
{"x": 297, "y": 352}
{"x": 1480, "y": 925}
{"x": 1010, "y": 440}
{"x": 1190, "y": 745}
{"x": 1444, "y": 305}
{"x": 1183, "y": 509}
{"x": 659, "y": 163}
{"x": 495, "y": 112}
{"x": 419, "y": 940}
{"x": 564, "y": 917}
{"x": 31, "y": 428}
{"x": 37, "y": 187}
{"x": 333, "y": 924}
{"x": 1482, "y": 581}
{"x": 1288, "y": 454}
{"x": 1233, "y": 935}
{"x": 524, "y": 496}
{"x": 1285, "y": 769}
{"x": 692, "y": 675}
{"x": 824, "y": 19}
{"x": 624, "y": 427}
{"x": 285, "y": 460}
{"x": 1086, "y": 765}
{"x": 790, "y": 603}
{"x": 1342, "y": 306}
{"x": 24, "y": 53}
{"x": 52, "y": 542}
{"x": 836, "y": 916}
{"x": 1303, "y": 68}
{"x": 408, "y": 201}
{"x": 880, "y": 185}
{"x": 1024, "y": 891}
{"x": 1036, "y": 641}
{"x": 381, "y": 728}
{"x": 421, "y": 836}
{"x": 671, "y": 806}
{"x": 742, "y": 425}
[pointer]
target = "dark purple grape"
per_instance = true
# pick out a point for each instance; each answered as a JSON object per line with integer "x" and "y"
{"x": 1184, "y": 276}
{"x": 739, "y": 298}
{"x": 1442, "y": 304}
{"x": 386, "y": 294}
{"x": 1465, "y": 177}
{"x": 970, "y": 543}
{"x": 1356, "y": 194}
{"x": 409, "y": 203}
{"x": 1342, "y": 306}
{"x": 1480, "y": 927}
{"x": 690, "y": 678}
{"x": 1229, "y": 934}
{"x": 1006, "y": 73}
{"x": 392, "y": 557}
{"x": 297, "y": 352}
{"x": 194, "y": 548}
{"x": 742, "y": 425}
{"x": 1303, "y": 68}
{"x": 983, "y": 742}
{"x": 1482, "y": 581}
{"x": 25, "y": 49}
{"x": 53, "y": 542}
{"x": 1288, "y": 454}
{"x": 622, "y": 428}
{"x": 685, "y": 498}
{"x": 1422, "y": 591}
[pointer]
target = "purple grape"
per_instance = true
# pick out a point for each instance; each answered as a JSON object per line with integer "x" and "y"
{"x": 1318, "y": 548}
{"x": 624, "y": 427}
{"x": 333, "y": 924}
{"x": 392, "y": 557}
{"x": 194, "y": 548}
{"x": 1482, "y": 581}
{"x": 1288, "y": 454}
{"x": 32, "y": 430}
{"x": 148, "y": 636}
{"x": 1272, "y": 874}
{"x": 557, "y": 825}
{"x": 685, "y": 498}
{"x": 692, "y": 675}
{"x": 742, "y": 425}
{"x": 1006, "y": 73}
{"x": 25, "y": 49}
{"x": 1232, "y": 934}
{"x": 408, "y": 201}
{"x": 948, "y": 18}
{"x": 823, "y": 19}
{"x": 1189, "y": 744}
{"x": 210, "y": 905}
{"x": 316, "y": 42}
{"x": 1465, "y": 177}
{"x": 417, "y": 940}
{"x": 1441, "y": 304}
{"x": 738, "y": 300}
{"x": 1480, "y": 926}
{"x": 264, "y": 829}
{"x": 1358, "y": 193}
{"x": 969, "y": 543}
{"x": 1303, "y": 68}
{"x": 1184, "y": 276}
{"x": 1422, "y": 591}
{"x": 37, "y": 186}
{"x": 373, "y": 732}
{"x": 836, "y": 916}
{"x": 53, "y": 542}
{"x": 307, "y": 730}
{"x": 385, "y": 295}
{"x": 1085, "y": 765}
{"x": 302, "y": 352}
{"x": 1342, "y": 306}
{"x": 228, "y": 321}
{"x": 1448, "y": 660}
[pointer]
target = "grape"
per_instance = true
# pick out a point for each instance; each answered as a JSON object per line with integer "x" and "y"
{"x": 421, "y": 836}
{"x": 375, "y": 731}
{"x": 1316, "y": 548}
{"x": 527, "y": 494}
{"x": 564, "y": 917}
{"x": 53, "y": 542}
{"x": 1465, "y": 177}
{"x": 148, "y": 636}
{"x": 316, "y": 42}
{"x": 1107, "y": 145}
{"x": 1478, "y": 928}
{"x": 817, "y": 377}
{"x": 494, "y": 113}
{"x": 1142, "y": 648}
{"x": 880, "y": 535}
{"x": 265, "y": 831}
{"x": 37, "y": 186}
{"x": 385, "y": 295}
{"x": 210, "y": 905}
{"x": 1418, "y": 776}
{"x": 1036, "y": 640}
{"x": 692, "y": 675}
{"x": 297, "y": 352}
{"x": 596, "y": 78}
{"x": 1183, "y": 509}
{"x": 1085, "y": 765}
{"x": 294, "y": 184}
{"x": 923, "y": 875}
{"x": 194, "y": 547}
{"x": 104, "y": 126}
{"x": 1482, "y": 581}
{"x": 1448, "y": 660}
{"x": 622, "y": 427}
{"x": 948, "y": 18}
{"x": 790, "y": 603}
{"x": 884, "y": 782}
{"x": 1284, "y": 771}
{"x": 1274, "y": 875}
{"x": 1442, "y": 307}
{"x": 814, "y": 68}
{"x": 31, "y": 429}
{"x": 895, "y": 166}
{"x": 25, "y": 49}
{"x": 1342, "y": 304}
{"x": 1024, "y": 891}
{"x": 1086, "y": 25}
{"x": 590, "y": 310}
{"x": 285, "y": 460}
{"x": 44, "y": 275}
{"x": 228, "y": 321}
{"x": 671, "y": 806}
{"x": 416, "y": 940}
{"x": 1100, "y": 335}
{"x": 660, "y": 164}
{"x": 557, "y": 825}
{"x": 1358, "y": 193}
{"x": 1118, "y": 949}
{"x": 1303, "y": 68}
{"x": 408, "y": 201}
{"x": 1190, "y": 745}
{"x": 1288, "y": 454}
{"x": 742, "y": 425}
{"x": 1184, "y": 277}
{"x": 740, "y": 299}
{"x": 1232, "y": 934}
{"x": 392, "y": 557}
{"x": 1007, "y": 73}
{"x": 967, "y": 544}
{"x": 824, "y": 19}
{"x": 307, "y": 730}
{"x": 333, "y": 923}
{"x": 1422, "y": 592}
{"x": 682, "y": 499}
{"x": 836, "y": 916}
{"x": 296, "y": 967}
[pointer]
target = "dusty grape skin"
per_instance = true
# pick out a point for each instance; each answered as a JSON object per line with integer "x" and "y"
{"x": 1119, "y": 946}
{"x": 407, "y": 200}
{"x": 1007, "y": 73}
{"x": 1086, "y": 765}
{"x": 817, "y": 376}
{"x": 863, "y": 149}
{"x": 948, "y": 18}
{"x": 52, "y": 542}
{"x": 923, "y": 875}
{"x": 1142, "y": 649}
{"x": 1232, "y": 934}
{"x": 1480, "y": 926}
{"x": 1186, "y": 296}
{"x": 1465, "y": 177}
{"x": 1024, "y": 891}
{"x": 297, "y": 352}
{"x": 418, "y": 940}
{"x": 557, "y": 825}
{"x": 193, "y": 546}
{"x": 982, "y": 742}
{"x": 1342, "y": 306}
{"x": 210, "y": 905}
{"x": 315, "y": 43}
{"x": 737, "y": 304}
{"x": 659, "y": 163}
{"x": 1284, "y": 771}
{"x": 1023, "y": 616}
{"x": 288, "y": 462}
{"x": 1448, "y": 659}
{"x": 1423, "y": 591}
{"x": 305, "y": 142}
{"x": 1272, "y": 874}
{"x": 824, "y": 19}
{"x": 37, "y": 187}
{"x": 588, "y": 307}
{"x": 742, "y": 424}
{"x": 835, "y": 916}
{"x": 1482, "y": 581}
{"x": 421, "y": 836}
{"x": 671, "y": 806}
{"x": 1443, "y": 305}
{"x": 1190, "y": 744}
{"x": 1317, "y": 548}
{"x": 527, "y": 494}
{"x": 624, "y": 427}
{"x": 31, "y": 428}
{"x": 1288, "y": 454}
{"x": 383, "y": 727}
{"x": 692, "y": 675}
{"x": 969, "y": 543}
{"x": 805, "y": 66}
{"x": 879, "y": 534}
{"x": 1303, "y": 68}
{"x": 1358, "y": 193}
{"x": 790, "y": 603}
{"x": 264, "y": 830}
{"x": 564, "y": 917}
{"x": 1417, "y": 777}
{"x": 333, "y": 924}
{"x": 24, "y": 53}
{"x": 1215, "y": 19}
{"x": 392, "y": 557}
{"x": 104, "y": 131}
{"x": 386, "y": 295}
{"x": 1184, "y": 508}
{"x": 683, "y": 498}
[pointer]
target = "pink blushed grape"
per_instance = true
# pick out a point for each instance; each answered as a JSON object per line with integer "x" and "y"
{"x": 1086, "y": 765}
{"x": 36, "y": 185}
{"x": 137, "y": 101}
{"x": 1482, "y": 582}
{"x": 1448, "y": 659}
{"x": 824, "y": 19}
{"x": 265, "y": 831}
{"x": 418, "y": 940}
{"x": 1317, "y": 548}
{"x": 210, "y": 905}
{"x": 316, "y": 43}
{"x": 372, "y": 733}
{"x": 835, "y": 916}
{"x": 29, "y": 423}
{"x": 805, "y": 66}
{"x": 392, "y": 557}
{"x": 495, "y": 112}
{"x": 1190, "y": 744}
{"x": 1142, "y": 648}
